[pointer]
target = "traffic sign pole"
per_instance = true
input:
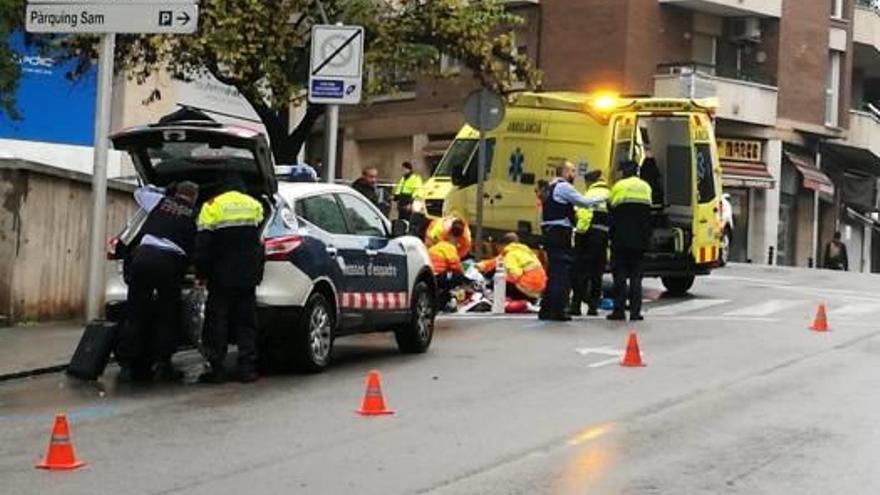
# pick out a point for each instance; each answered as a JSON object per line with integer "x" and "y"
{"x": 481, "y": 177}
{"x": 331, "y": 132}
{"x": 98, "y": 224}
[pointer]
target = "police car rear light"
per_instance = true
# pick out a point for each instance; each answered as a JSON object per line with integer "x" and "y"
{"x": 279, "y": 248}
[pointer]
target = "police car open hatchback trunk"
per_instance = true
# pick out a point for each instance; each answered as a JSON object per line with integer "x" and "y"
{"x": 204, "y": 152}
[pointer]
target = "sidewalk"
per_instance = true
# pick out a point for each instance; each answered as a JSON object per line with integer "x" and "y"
{"x": 32, "y": 349}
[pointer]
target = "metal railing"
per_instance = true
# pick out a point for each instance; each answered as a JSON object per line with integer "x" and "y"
{"x": 722, "y": 71}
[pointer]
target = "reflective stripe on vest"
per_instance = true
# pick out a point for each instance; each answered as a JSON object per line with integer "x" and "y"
{"x": 230, "y": 209}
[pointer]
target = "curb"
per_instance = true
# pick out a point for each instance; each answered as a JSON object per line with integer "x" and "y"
{"x": 32, "y": 372}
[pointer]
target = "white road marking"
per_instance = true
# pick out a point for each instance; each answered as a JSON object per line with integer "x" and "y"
{"x": 605, "y": 351}
{"x": 726, "y": 319}
{"x": 607, "y": 362}
{"x": 686, "y": 307}
{"x": 766, "y": 308}
{"x": 765, "y": 281}
{"x": 602, "y": 351}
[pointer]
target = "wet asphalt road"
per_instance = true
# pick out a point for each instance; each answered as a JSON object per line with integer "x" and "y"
{"x": 737, "y": 397}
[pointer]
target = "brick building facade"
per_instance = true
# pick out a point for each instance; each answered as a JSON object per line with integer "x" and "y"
{"x": 800, "y": 143}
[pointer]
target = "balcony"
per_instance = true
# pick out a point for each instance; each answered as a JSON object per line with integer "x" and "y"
{"x": 864, "y": 132}
{"x": 732, "y": 8}
{"x": 741, "y": 100}
{"x": 866, "y": 27}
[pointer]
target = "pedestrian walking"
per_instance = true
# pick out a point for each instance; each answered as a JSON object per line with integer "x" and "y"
{"x": 630, "y": 209}
{"x": 405, "y": 190}
{"x": 229, "y": 257}
{"x": 558, "y": 201}
{"x": 836, "y": 257}
{"x": 157, "y": 268}
{"x": 591, "y": 247}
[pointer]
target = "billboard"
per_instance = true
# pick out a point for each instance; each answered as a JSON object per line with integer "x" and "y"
{"x": 53, "y": 109}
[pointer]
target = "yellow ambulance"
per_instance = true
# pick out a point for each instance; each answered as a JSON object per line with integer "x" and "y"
{"x": 594, "y": 131}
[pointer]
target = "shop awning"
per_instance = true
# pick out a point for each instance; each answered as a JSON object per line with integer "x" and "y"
{"x": 746, "y": 174}
{"x": 862, "y": 216}
{"x": 814, "y": 179}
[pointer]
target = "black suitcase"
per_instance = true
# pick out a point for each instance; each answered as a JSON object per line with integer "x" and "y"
{"x": 93, "y": 351}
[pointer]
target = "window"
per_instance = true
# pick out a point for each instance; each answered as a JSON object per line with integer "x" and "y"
{"x": 458, "y": 155}
{"x": 362, "y": 219}
{"x": 281, "y": 222}
{"x": 837, "y": 9}
{"x": 705, "y": 173}
{"x": 322, "y": 212}
{"x": 832, "y": 89}
{"x": 704, "y": 47}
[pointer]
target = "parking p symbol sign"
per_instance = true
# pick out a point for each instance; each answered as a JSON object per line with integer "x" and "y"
{"x": 166, "y": 18}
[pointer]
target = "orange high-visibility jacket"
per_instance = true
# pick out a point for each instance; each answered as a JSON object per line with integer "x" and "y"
{"x": 439, "y": 229}
{"x": 444, "y": 258}
{"x": 522, "y": 268}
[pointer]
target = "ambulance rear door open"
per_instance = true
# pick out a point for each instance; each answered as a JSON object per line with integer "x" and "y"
{"x": 682, "y": 147}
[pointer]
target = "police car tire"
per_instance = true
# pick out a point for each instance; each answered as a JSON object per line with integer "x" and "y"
{"x": 410, "y": 337}
{"x": 678, "y": 286}
{"x": 304, "y": 357}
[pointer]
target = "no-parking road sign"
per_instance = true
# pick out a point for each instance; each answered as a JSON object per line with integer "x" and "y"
{"x": 337, "y": 64}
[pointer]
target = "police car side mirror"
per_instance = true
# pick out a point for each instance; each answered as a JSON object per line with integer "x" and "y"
{"x": 399, "y": 228}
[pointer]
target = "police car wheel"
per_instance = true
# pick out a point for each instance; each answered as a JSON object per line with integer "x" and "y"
{"x": 315, "y": 335}
{"x": 678, "y": 286}
{"x": 415, "y": 336}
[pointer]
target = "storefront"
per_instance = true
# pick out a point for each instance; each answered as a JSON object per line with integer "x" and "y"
{"x": 805, "y": 192}
{"x": 744, "y": 175}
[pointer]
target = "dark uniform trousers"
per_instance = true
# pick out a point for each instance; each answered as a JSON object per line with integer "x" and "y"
{"x": 628, "y": 266}
{"x": 151, "y": 271}
{"x": 591, "y": 252}
{"x": 231, "y": 309}
{"x": 560, "y": 255}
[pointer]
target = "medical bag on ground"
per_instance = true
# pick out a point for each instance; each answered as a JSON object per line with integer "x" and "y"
{"x": 93, "y": 351}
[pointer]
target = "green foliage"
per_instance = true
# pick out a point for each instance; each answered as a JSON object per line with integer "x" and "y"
{"x": 11, "y": 17}
{"x": 261, "y": 47}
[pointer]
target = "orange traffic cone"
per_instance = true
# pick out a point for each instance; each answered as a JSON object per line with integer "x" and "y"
{"x": 373, "y": 404}
{"x": 633, "y": 357}
{"x": 60, "y": 455}
{"x": 820, "y": 324}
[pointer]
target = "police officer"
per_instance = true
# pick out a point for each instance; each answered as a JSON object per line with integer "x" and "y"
{"x": 405, "y": 191}
{"x": 630, "y": 207}
{"x": 558, "y": 200}
{"x": 157, "y": 265}
{"x": 591, "y": 247}
{"x": 229, "y": 256}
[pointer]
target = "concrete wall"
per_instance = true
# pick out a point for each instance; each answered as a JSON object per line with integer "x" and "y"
{"x": 44, "y": 231}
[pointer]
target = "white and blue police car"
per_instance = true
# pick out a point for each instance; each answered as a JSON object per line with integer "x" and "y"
{"x": 335, "y": 265}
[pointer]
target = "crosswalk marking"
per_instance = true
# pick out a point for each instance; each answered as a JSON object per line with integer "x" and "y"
{"x": 686, "y": 306}
{"x": 766, "y": 308}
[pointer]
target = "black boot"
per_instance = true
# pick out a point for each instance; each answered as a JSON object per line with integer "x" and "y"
{"x": 215, "y": 375}
{"x": 166, "y": 372}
